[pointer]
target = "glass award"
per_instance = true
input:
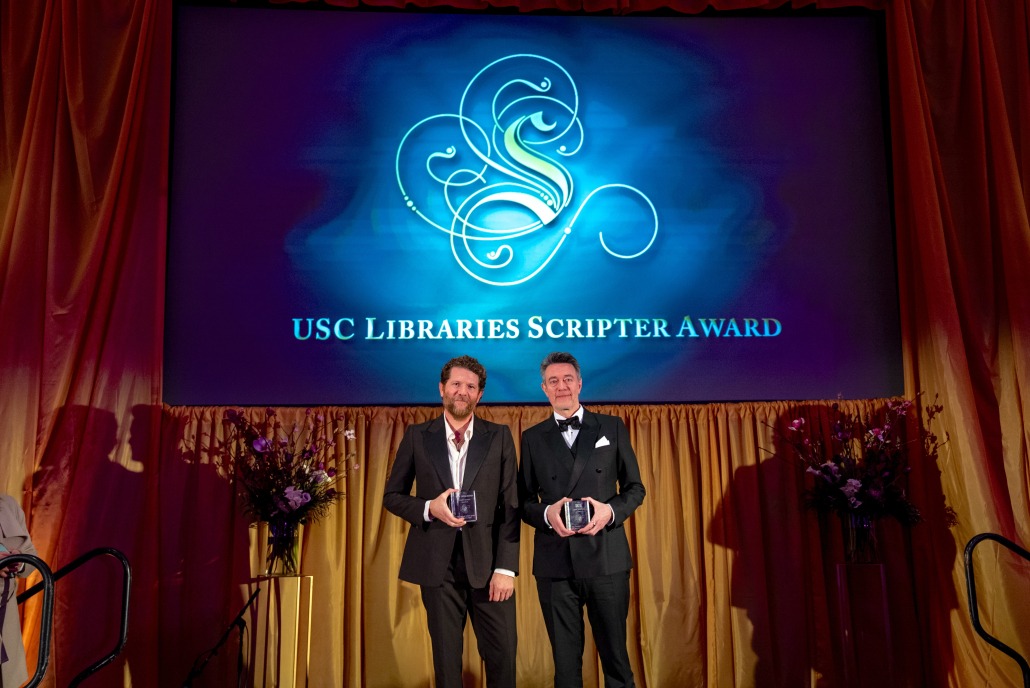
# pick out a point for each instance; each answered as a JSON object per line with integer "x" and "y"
{"x": 463, "y": 505}
{"x": 577, "y": 514}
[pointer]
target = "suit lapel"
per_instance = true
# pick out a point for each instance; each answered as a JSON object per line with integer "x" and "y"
{"x": 556, "y": 445}
{"x": 436, "y": 449}
{"x": 478, "y": 446}
{"x": 585, "y": 441}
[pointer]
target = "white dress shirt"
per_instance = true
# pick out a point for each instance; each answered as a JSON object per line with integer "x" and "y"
{"x": 456, "y": 457}
{"x": 570, "y": 434}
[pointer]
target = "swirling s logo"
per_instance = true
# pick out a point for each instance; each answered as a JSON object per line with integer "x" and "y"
{"x": 492, "y": 177}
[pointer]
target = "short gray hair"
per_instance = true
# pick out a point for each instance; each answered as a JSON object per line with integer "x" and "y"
{"x": 559, "y": 357}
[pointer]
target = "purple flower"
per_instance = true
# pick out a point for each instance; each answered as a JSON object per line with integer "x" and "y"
{"x": 796, "y": 425}
{"x": 850, "y": 489}
{"x": 900, "y": 407}
{"x": 296, "y": 497}
{"x": 261, "y": 445}
{"x": 840, "y": 432}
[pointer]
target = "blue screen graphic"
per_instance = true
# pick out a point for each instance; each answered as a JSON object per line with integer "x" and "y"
{"x": 696, "y": 208}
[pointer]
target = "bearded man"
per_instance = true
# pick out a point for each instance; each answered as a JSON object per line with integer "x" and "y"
{"x": 464, "y": 562}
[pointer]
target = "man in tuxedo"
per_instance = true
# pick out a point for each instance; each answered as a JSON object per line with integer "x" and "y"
{"x": 579, "y": 455}
{"x": 465, "y": 567}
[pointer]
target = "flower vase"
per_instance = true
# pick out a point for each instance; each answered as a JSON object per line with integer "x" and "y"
{"x": 283, "y": 553}
{"x": 859, "y": 536}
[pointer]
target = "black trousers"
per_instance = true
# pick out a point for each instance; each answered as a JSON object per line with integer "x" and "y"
{"x": 448, "y": 606}
{"x": 606, "y": 599}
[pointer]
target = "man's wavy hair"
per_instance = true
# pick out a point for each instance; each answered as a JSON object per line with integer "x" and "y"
{"x": 468, "y": 363}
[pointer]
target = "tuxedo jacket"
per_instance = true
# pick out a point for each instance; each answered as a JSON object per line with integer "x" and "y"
{"x": 601, "y": 465}
{"x": 15, "y": 536}
{"x": 490, "y": 542}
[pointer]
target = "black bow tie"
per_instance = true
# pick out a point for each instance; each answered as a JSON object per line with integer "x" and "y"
{"x": 567, "y": 423}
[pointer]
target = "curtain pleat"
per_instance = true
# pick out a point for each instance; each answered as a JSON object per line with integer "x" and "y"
{"x": 734, "y": 582}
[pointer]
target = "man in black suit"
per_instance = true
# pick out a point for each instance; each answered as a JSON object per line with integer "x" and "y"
{"x": 465, "y": 568}
{"x": 579, "y": 455}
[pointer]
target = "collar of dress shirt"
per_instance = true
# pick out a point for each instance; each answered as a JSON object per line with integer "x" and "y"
{"x": 577, "y": 414}
{"x": 467, "y": 434}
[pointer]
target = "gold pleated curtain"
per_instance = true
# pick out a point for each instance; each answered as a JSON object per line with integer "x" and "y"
{"x": 733, "y": 584}
{"x": 734, "y": 579}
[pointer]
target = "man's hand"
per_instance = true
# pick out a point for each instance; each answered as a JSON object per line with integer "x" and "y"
{"x": 12, "y": 570}
{"x": 440, "y": 509}
{"x": 603, "y": 515}
{"x": 501, "y": 587}
{"x": 554, "y": 513}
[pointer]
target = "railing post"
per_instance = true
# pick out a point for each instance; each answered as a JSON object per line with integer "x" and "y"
{"x": 48, "y": 584}
{"x": 46, "y": 623}
{"x": 974, "y": 611}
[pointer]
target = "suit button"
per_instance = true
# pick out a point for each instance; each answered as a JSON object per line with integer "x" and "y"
{"x": 554, "y": 477}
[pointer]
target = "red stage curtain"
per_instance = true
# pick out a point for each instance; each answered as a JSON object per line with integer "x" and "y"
{"x": 960, "y": 117}
{"x": 83, "y": 174}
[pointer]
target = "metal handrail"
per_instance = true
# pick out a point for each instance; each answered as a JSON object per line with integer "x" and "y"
{"x": 46, "y": 624}
{"x": 974, "y": 611}
{"x": 126, "y": 581}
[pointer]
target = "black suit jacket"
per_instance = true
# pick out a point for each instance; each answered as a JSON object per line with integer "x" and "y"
{"x": 605, "y": 468}
{"x": 489, "y": 543}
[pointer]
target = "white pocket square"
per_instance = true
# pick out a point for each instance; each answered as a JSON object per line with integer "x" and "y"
{"x": 603, "y": 442}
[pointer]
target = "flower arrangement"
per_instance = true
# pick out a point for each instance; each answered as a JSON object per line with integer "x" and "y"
{"x": 861, "y": 470}
{"x": 285, "y": 476}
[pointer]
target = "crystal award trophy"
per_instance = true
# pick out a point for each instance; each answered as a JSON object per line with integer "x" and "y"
{"x": 577, "y": 514}
{"x": 463, "y": 505}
